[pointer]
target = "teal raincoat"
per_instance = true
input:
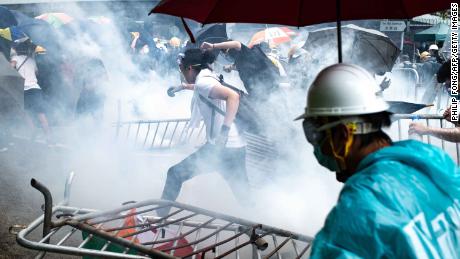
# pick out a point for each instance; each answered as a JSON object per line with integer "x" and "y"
{"x": 403, "y": 202}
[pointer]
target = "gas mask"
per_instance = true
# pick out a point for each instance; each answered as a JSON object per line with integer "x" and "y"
{"x": 325, "y": 160}
{"x": 317, "y": 139}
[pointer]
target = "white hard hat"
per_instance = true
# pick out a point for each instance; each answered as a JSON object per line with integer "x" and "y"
{"x": 433, "y": 47}
{"x": 343, "y": 90}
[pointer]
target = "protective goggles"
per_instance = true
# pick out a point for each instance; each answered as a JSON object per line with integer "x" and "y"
{"x": 313, "y": 135}
{"x": 315, "y": 132}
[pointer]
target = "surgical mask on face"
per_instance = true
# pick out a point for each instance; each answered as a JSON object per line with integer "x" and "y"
{"x": 327, "y": 161}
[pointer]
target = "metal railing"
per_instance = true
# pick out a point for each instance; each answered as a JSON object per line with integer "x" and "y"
{"x": 399, "y": 131}
{"x": 135, "y": 231}
{"x": 154, "y": 134}
{"x": 261, "y": 152}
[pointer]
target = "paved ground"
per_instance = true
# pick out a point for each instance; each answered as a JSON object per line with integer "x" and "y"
{"x": 107, "y": 175}
{"x": 19, "y": 203}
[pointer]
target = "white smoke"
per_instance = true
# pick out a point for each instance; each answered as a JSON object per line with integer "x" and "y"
{"x": 297, "y": 197}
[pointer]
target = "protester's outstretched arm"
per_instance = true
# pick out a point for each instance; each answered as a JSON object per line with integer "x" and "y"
{"x": 447, "y": 134}
{"x": 232, "y": 100}
{"x": 222, "y": 45}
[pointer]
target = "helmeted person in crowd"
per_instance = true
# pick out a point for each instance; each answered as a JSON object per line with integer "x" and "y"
{"x": 434, "y": 53}
{"x": 404, "y": 62}
{"x": 425, "y": 56}
{"x": 400, "y": 199}
{"x": 427, "y": 68}
{"x": 225, "y": 149}
{"x": 173, "y": 51}
{"x": 24, "y": 62}
{"x": 258, "y": 73}
{"x": 174, "y": 42}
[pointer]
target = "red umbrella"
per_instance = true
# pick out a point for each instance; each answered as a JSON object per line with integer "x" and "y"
{"x": 297, "y": 12}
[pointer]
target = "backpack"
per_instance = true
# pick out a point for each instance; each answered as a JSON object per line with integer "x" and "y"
{"x": 247, "y": 119}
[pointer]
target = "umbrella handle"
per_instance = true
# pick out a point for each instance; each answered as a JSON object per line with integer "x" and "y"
{"x": 187, "y": 29}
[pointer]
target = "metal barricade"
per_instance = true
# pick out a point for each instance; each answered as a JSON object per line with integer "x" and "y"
{"x": 153, "y": 134}
{"x": 261, "y": 152}
{"x": 399, "y": 131}
{"x": 135, "y": 231}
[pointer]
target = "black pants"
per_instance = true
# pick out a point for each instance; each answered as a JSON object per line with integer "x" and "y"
{"x": 229, "y": 162}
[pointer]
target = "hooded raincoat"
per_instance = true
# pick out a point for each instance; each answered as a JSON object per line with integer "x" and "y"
{"x": 403, "y": 202}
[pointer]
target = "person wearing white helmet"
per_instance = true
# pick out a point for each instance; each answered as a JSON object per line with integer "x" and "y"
{"x": 434, "y": 53}
{"x": 433, "y": 47}
{"x": 400, "y": 199}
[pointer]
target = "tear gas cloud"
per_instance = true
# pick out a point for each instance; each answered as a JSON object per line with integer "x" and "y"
{"x": 297, "y": 196}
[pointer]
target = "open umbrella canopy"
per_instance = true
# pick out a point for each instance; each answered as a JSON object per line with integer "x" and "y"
{"x": 7, "y": 18}
{"x": 406, "y": 107}
{"x": 273, "y": 35}
{"x": 11, "y": 89}
{"x": 38, "y": 31}
{"x": 370, "y": 49}
{"x": 41, "y": 33}
{"x": 437, "y": 32}
{"x": 297, "y": 12}
{"x": 55, "y": 19}
{"x": 213, "y": 33}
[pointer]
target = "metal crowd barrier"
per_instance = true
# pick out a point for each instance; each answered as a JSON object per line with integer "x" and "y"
{"x": 261, "y": 152}
{"x": 154, "y": 134}
{"x": 399, "y": 131}
{"x": 135, "y": 231}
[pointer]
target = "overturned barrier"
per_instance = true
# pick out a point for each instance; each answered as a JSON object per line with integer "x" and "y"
{"x": 135, "y": 231}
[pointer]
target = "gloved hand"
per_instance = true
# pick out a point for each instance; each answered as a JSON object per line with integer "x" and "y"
{"x": 385, "y": 83}
{"x": 174, "y": 89}
{"x": 222, "y": 139}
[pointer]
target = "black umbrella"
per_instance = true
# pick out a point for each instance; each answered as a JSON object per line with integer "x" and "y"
{"x": 7, "y": 18}
{"x": 370, "y": 49}
{"x": 22, "y": 18}
{"x": 11, "y": 89}
{"x": 297, "y": 13}
{"x": 41, "y": 33}
{"x": 401, "y": 107}
{"x": 214, "y": 33}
